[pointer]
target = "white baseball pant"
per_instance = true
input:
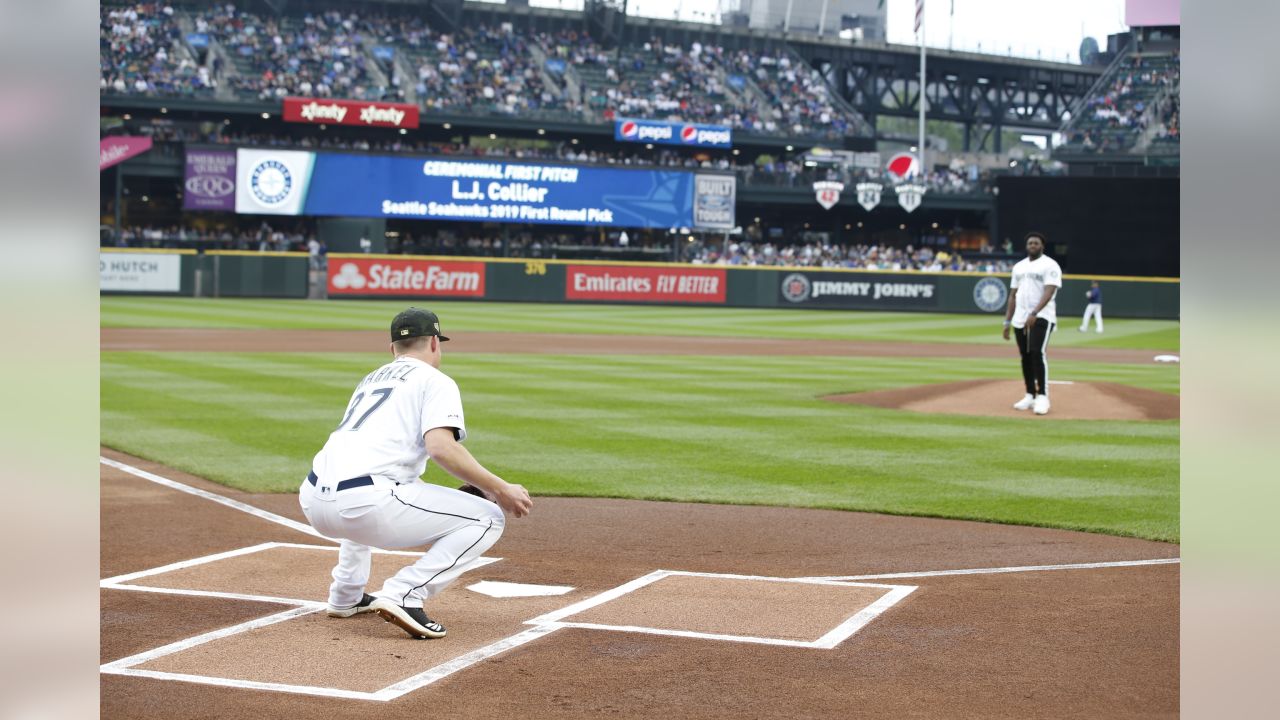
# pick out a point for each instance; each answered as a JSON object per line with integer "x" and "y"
{"x": 460, "y": 528}
{"x": 1092, "y": 310}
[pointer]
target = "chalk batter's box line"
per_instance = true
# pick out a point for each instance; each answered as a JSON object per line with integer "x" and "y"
{"x": 127, "y": 665}
{"x": 122, "y": 582}
{"x": 544, "y": 626}
{"x": 837, "y": 635}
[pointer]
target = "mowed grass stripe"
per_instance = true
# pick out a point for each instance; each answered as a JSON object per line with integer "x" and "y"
{"x": 463, "y": 317}
{"x": 659, "y": 427}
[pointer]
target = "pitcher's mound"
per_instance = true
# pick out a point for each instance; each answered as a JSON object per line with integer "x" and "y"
{"x": 1075, "y": 401}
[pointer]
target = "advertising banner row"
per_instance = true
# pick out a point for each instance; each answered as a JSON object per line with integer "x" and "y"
{"x": 293, "y": 182}
{"x": 410, "y": 277}
{"x": 358, "y": 276}
{"x": 248, "y": 274}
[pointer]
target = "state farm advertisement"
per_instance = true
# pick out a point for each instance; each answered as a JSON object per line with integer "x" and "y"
{"x": 327, "y": 111}
{"x": 645, "y": 284}
{"x": 408, "y": 277}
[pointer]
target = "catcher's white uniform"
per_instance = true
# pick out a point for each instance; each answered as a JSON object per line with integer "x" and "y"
{"x": 364, "y": 488}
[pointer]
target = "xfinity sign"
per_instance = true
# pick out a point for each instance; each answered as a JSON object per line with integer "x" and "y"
{"x": 666, "y": 133}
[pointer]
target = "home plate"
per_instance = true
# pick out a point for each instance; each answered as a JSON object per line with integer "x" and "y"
{"x": 512, "y": 590}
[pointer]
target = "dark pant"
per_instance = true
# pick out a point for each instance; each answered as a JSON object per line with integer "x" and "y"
{"x": 1033, "y": 341}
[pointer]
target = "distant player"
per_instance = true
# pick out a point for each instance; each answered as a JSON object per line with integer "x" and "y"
{"x": 1033, "y": 313}
{"x": 364, "y": 485}
{"x": 1094, "y": 308}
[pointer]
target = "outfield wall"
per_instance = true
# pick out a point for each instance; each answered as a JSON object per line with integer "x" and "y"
{"x": 287, "y": 275}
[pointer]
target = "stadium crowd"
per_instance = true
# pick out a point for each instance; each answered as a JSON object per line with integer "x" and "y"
{"x": 483, "y": 69}
{"x": 798, "y": 97}
{"x": 1144, "y": 91}
{"x": 314, "y": 56}
{"x": 841, "y": 256}
{"x": 474, "y": 70}
{"x": 140, "y": 53}
{"x": 263, "y": 238}
{"x": 800, "y": 252}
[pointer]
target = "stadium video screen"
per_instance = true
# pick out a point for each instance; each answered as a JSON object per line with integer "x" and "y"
{"x": 295, "y": 182}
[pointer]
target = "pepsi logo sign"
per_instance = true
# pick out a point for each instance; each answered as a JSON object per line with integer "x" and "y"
{"x": 903, "y": 166}
{"x": 656, "y": 131}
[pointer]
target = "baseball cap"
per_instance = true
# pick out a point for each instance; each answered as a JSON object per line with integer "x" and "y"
{"x": 415, "y": 322}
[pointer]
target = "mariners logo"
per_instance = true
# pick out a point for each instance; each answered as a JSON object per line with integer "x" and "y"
{"x": 990, "y": 294}
{"x": 271, "y": 182}
{"x": 795, "y": 288}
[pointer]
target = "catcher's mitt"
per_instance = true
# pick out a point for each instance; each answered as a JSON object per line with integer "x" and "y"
{"x": 472, "y": 490}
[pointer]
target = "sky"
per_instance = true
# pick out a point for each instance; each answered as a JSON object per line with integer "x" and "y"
{"x": 1049, "y": 29}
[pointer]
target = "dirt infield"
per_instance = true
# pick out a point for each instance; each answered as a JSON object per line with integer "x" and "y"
{"x": 1017, "y": 643}
{"x": 1070, "y": 401}
{"x": 218, "y": 340}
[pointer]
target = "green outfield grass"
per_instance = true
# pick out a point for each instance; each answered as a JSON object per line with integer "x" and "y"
{"x": 711, "y": 429}
{"x": 461, "y": 317}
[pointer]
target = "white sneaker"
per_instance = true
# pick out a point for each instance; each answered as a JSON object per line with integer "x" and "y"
{"x": 1042, "y": 404}
{"x": 1025, "y": 403}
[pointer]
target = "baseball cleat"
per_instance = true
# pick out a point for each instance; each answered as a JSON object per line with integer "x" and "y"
{"x": 346, "y": 612}
{"x": 412, "y": 620}
{"x": 1042, "y": 404}
{"x": 1025, "y": 403}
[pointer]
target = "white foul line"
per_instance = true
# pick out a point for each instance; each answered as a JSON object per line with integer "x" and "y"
{"x": 997, "y": 570}
{"x": 243, "y": 507}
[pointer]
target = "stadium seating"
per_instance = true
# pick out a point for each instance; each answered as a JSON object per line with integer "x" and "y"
{"x": 141, "y": 51}
{"x": 316, "y": 55}
{"x": 1135, "y": 111}
{"x": 481, "y": 70}
{"x": 798, "y": 100}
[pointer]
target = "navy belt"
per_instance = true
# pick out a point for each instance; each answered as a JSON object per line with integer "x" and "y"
{"x": 345, "y": 484}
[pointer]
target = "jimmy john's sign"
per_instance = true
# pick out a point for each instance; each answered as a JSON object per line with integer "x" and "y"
{"x": 859, "y": 291}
